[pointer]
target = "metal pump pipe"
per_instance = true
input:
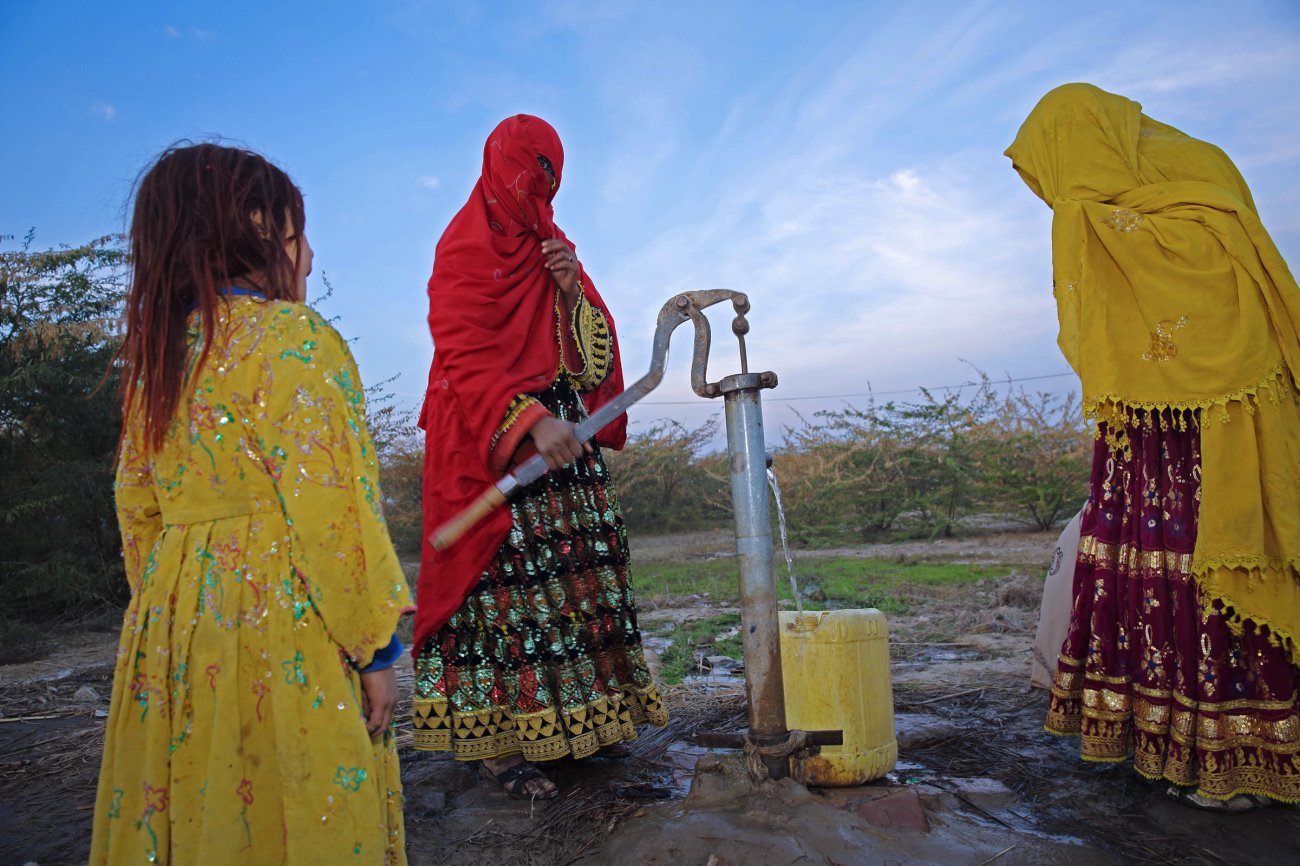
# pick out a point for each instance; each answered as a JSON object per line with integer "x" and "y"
{"x": 760, "y": 627}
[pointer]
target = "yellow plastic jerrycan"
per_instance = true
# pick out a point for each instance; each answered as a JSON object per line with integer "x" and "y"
{"x": 835, "y": 665}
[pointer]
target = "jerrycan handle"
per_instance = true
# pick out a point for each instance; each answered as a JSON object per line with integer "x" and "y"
{"x": 807, "y": 621}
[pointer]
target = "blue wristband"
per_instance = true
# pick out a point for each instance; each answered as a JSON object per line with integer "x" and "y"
{"x": 385, "y": 657}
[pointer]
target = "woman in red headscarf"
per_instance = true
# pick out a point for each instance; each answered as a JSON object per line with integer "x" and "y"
{"x": 526, "y": 640}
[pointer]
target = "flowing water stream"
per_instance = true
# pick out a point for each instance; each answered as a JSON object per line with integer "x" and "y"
{"x": 785, "y": 544}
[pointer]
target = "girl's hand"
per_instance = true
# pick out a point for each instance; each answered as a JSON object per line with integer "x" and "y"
{"x": 556, "y": 443}
{"x": 378, "y": 700}
{"x": 563, "y": 265}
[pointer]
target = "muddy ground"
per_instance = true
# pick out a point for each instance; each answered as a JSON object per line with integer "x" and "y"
{"x": 977, "y": 783}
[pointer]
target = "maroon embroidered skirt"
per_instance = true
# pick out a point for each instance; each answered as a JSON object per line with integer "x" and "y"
{"x": 1149, "y": 668}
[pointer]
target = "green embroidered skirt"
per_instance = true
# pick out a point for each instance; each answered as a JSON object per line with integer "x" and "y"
{"x": 544, "y": 657}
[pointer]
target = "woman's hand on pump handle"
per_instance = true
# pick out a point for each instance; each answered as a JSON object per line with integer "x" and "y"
{"x": 555, "y": 441}
{"x": 563, "y": 265}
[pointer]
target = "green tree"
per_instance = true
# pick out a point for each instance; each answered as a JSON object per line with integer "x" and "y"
{"x": 887, "y": 468}
{"x": 59, "y": 423}
{"x": 927, "y": 468}
{"x": 1035, "y": 458}
{"x": 664, "y": 481}
{"x": 843, "y": 475}
{"x": 939, "y": 448}
{"x": 400, "y": 446}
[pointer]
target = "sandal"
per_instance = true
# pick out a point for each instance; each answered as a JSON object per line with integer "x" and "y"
{"x": 1240, "y": 803}
{"x": 513, "y": 779}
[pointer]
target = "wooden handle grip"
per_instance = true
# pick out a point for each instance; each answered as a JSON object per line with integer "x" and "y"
{"x": 445, "y": 536}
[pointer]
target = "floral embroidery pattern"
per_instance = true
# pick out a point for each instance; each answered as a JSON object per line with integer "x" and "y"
{"x": 1162, "y": 340}
{"x": 1148, "y": 672}
{"x": 115, "y": 808}
{"x": 140, "y": 688}
{"x": 155, "y": 799}
{"x": 293, "y": 672}
{"x": 260, "y": 689}
{"x": 1124, "y": 220}
{"x": 1149, "y": 600}
{"x": 349, "y": 778}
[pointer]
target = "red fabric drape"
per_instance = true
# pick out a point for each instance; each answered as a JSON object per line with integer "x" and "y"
{"x": 493, "y": 321}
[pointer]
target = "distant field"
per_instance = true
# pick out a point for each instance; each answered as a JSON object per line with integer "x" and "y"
{"x": 843, "y": 581}
{"x": 825, "y": 582}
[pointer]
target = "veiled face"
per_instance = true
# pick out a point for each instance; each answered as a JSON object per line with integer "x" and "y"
{"x": 523, "y": 162}
{"x": 1079, "y": 142}
{"x": 550, "y": 172}
{"x": 1084, "y": 144}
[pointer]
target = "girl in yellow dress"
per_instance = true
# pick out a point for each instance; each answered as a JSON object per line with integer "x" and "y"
{"x": 253, "y": 694}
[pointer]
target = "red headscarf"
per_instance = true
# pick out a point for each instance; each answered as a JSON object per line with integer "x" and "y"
{"x": 492, "y": 317}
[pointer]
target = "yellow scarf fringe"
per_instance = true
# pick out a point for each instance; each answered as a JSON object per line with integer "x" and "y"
{"x": 1260, "y": 586}
{"x": 1213, "y": 593}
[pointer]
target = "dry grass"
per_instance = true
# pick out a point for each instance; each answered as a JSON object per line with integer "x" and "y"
{"x": 50, "y": 746}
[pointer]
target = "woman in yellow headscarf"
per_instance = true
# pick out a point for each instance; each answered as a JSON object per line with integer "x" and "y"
{"x": 1181, "y": 319}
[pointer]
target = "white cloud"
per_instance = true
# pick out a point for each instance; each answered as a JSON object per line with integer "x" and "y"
{"x": 866, "y": 210}
{"x": 857, "y": 191}
{"x": 873, "y": 257}
{"x": 892, "y": 278}
{"x": 430, "y": 182}
{"x": 198, "y": 34}
{"x": 104, "y": 110}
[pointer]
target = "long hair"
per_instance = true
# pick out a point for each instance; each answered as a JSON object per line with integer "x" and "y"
{"x": 206, "y": 217}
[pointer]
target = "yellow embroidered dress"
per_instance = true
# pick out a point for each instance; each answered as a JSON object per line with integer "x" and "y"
{"x": 262, "y": 578}
{"x": 1181, "y": 319}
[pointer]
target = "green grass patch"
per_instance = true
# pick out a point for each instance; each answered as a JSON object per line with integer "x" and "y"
{"x": 678, "y": 659}
{"x": 845, "y": 581}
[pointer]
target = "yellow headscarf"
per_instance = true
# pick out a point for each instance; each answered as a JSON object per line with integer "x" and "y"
{"x": 1171, "y": 294}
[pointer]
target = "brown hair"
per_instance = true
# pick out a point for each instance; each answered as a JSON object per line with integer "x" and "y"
{"x": 206, "y": 217}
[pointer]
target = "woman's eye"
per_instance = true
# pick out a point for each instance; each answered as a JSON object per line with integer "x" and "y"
{"x": 547, "y": 167}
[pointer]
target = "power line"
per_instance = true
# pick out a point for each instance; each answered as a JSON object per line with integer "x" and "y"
{"x": 830, "y": 396}
{"x": 865, "y": 393}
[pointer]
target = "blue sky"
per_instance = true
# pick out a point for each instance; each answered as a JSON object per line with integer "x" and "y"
{"x": 841, "y": 162}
